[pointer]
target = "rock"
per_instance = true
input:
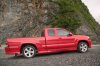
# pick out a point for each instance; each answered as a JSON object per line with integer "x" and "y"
{"x": 27, "y": 18}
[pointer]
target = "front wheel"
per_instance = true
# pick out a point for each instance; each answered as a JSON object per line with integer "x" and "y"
{"x": 82, "y": 47}
{"x": 29, "y": 51}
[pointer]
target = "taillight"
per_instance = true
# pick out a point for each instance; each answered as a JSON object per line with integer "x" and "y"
{"x": 7, "y": 44}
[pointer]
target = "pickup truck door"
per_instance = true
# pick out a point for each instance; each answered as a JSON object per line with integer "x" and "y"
{"x": 57, "y": 40}
{"x": 64, "y": 40}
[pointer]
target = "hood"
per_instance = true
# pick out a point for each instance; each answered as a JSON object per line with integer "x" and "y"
{"x": 81, "y": 37}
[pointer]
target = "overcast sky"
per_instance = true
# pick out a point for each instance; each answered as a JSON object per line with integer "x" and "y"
{"x": 94, "y": 8}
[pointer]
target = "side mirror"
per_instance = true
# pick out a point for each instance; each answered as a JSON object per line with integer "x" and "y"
{"x": 70, "y": 34}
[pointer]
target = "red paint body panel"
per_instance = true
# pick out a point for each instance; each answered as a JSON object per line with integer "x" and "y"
{"x": 12, "y": 50}
{"x": 47, "y": 44}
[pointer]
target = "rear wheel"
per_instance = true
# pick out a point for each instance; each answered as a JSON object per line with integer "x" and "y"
{"x": 29, "y": 51}
{"x": 82, "y": 47}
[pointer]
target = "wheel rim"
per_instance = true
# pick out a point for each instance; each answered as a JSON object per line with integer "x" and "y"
{"x": 83, "y": 47}
{"x": 29, "y": 52}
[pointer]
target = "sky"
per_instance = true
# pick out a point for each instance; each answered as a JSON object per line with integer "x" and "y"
{"x": 94, "y": 8}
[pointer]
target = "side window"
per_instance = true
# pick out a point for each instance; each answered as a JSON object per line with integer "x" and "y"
{"x": 62, "y": 32}
{"x": 51, "y": 32}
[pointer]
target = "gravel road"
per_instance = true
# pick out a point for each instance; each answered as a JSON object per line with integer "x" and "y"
{"x": 91, "y": 58}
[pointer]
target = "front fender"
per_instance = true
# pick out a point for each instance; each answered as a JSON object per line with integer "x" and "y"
{"x": 82, "y": 40}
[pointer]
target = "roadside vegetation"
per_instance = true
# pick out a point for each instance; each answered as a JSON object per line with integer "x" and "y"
{"x": 71, "y": 14}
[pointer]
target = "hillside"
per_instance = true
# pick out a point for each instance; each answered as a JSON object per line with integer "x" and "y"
{"x": 26, "y": 18}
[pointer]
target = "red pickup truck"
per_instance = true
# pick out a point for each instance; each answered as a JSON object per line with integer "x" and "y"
{"x": 51, "y": 40}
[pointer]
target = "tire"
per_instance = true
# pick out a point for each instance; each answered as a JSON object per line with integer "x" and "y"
{"x": 16, "y": 55}
{"x": 82, "y": 47}
{"x": 29, "y": 51}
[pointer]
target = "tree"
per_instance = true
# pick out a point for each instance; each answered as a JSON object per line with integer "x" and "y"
{"x": 66, "y": 16}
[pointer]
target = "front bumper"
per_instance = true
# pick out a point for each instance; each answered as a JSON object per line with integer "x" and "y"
{"x": 90, "y": 43}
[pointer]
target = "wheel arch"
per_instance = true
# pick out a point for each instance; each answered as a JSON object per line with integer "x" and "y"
{"x": 25, "y": 44}
{"x": 83, "y": 41}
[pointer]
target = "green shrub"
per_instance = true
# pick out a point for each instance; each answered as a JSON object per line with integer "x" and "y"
{"x": 66, "y": 16}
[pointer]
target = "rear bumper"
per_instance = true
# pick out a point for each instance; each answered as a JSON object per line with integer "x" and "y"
{"x": 12, "y": 50}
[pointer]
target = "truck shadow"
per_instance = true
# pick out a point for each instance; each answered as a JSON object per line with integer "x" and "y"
{"x": 45, "y": 55}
